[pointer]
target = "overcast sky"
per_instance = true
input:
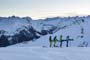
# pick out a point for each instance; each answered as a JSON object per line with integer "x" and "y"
{"x": 44, "y": 8}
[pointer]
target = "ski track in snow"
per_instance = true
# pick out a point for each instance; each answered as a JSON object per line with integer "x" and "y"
{"x": 26, "y": 53}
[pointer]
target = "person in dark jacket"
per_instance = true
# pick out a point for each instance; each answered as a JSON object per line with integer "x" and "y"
{"x": 67, "y": 40}
{"x": 55, "y": 40}
{"x": 60, "y": 40}
{"x": 50, "y": 41}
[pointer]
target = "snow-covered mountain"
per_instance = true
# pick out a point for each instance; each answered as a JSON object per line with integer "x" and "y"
{"x": 6, "y": 23}
{"x": 40, "y": 30}
{"x": 11, "y": 24}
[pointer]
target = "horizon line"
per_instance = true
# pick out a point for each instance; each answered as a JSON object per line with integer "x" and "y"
{"x": 45, "y": 17}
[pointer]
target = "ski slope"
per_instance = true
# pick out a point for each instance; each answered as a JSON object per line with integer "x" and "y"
{"x": 73, "y": 31}
{"x": 39, "y": 53}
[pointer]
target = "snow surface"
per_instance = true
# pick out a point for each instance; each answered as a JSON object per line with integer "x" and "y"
{"x": 38, "y": 53}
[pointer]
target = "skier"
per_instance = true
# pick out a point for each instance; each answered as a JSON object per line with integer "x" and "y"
{"x": 60, "y": 40}
{"x": 82, "y": 20}
{"x": 55, "y": 40}
{"x": 67, "y": 40}
{"x": 50, "y": 41}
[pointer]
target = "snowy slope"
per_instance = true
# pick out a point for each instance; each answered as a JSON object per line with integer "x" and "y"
{"x": 37, "y": 53}
{"x": 58, "y": 26}
{"x": 74, "y": 31}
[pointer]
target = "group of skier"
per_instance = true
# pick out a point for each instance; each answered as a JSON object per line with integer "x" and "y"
{"x": 54, "y": 40}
